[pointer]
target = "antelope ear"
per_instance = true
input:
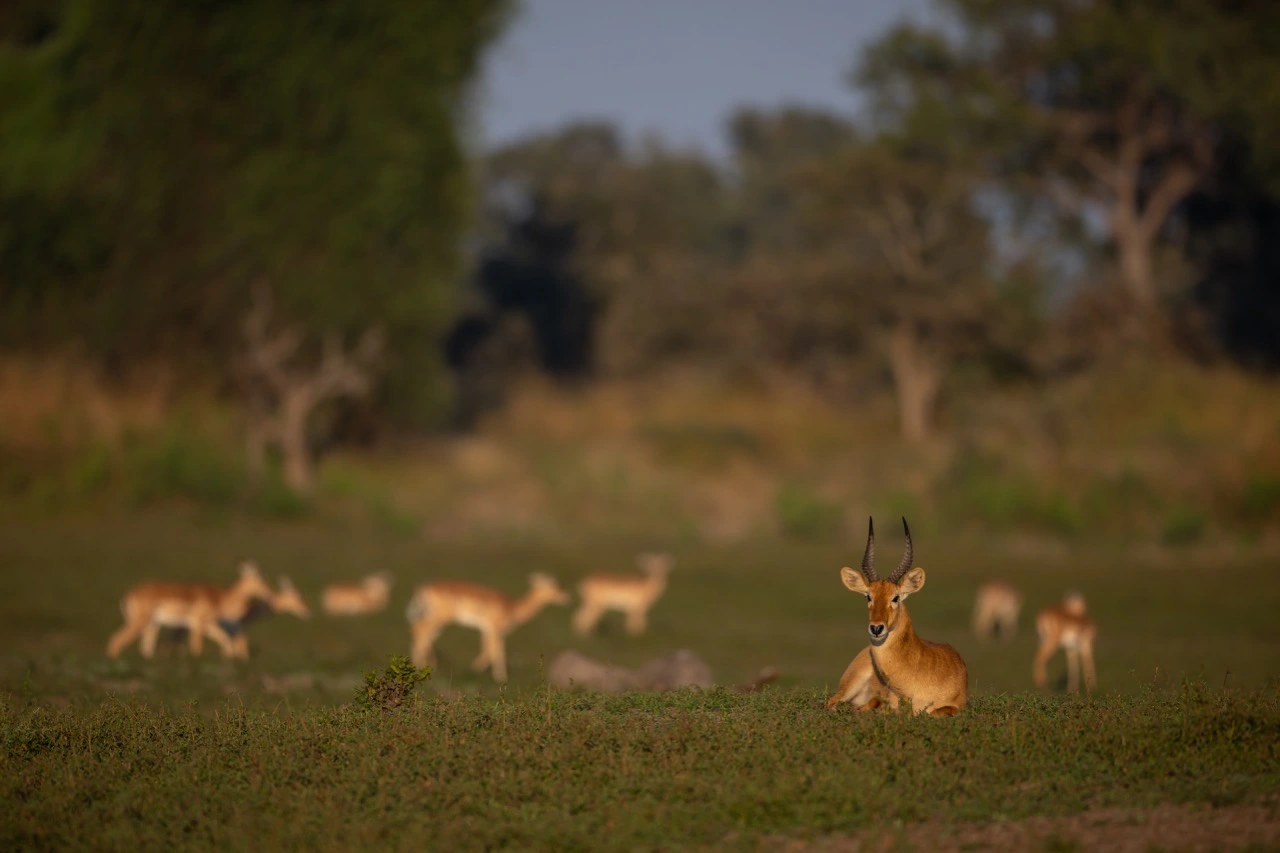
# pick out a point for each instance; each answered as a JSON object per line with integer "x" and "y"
{"x": 286, "y": 585}
{"x": 912, "y": 582}
{"x": 249, "y": 569}
{"x": 854, "y": 580}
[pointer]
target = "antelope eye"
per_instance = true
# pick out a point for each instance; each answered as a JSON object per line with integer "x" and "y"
{"x": 895, "y": 599}
{"x": 868, "y": 597}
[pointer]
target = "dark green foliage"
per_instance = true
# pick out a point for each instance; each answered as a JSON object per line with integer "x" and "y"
{"x": 1260, "y": 501}
{"x": 182, "y": 466}
{"x": 158, "y": 157}
{"x": 393, "y": 688}
{"x": 1184, "y": 526}
{"x": 552, "y": 770}
{"x": 805, "y": 515}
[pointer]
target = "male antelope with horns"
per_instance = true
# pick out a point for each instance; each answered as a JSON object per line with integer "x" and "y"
{"x": 898, "y": 665}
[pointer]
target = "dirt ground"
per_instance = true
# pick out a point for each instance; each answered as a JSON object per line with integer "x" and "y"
{"x": 1167, "y": 828}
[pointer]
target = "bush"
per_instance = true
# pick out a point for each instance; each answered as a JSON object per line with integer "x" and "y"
{"x": 181, "y": 466}
{"x": 804, "y": 515}
{"x": 274, "y": 499}
{"x": 1184, "y": 526}
{"x": 91, "y": 472}
{"x": 702, "y": 446}
{"x": 1261, "y": 497}
{"x": 388, "y": 516}
{"x": 393, "y": 688}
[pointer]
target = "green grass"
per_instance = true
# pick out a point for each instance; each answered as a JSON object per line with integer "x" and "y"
{"x": 270, "y": 753}
{"x": 551, "y": 770}
{"x": 1161, "y": 614}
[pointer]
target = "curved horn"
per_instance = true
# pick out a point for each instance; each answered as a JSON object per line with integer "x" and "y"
{"x": 869, "y": 556}
{"x": 905, "y": 565}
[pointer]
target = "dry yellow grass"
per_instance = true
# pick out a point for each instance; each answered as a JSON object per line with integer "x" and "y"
{"x": 62, "y": 401}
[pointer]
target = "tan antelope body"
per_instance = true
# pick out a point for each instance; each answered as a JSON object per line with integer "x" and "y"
{"x": 631, "y": 594}
{"x": 898, "y": 665}
{"x": 368, "y": 595}
{"x": 152, "y": 606}
{"x": 995, "y": 609}
{"x": 491, "y": 612}
{"x": 1066, "y": 625}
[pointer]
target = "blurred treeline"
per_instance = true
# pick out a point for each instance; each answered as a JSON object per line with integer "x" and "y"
{"x": 1037, "y": 191}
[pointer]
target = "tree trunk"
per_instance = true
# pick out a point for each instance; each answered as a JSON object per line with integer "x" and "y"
{"x": 916, "y": 378}
{"x": 293, "y": 441}
{"x": 1135, "y": 268}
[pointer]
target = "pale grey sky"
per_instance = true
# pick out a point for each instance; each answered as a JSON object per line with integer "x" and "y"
{"x": 673, "y": 66}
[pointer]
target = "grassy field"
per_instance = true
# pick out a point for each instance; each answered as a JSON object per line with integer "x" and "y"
{"x": 268, "y": 753}
{"x": 1162, "y": 615}
{"x": 559, "y": 771}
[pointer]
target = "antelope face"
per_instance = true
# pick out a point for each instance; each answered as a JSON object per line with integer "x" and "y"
{"x": 289, "y": 600}
{"x": 884, "y": 599}
{"x": 251, "y": 582}
{"x": 548, "y": 588}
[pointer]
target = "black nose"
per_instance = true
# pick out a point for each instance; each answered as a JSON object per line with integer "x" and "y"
{"x": 877, "y": 630}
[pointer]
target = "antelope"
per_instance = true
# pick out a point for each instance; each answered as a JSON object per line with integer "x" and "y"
{"x": 898, "y": 665}
{"x": 368, "y": 595}
{"x": 153, "y": 605}
{"x": 996, "y": 609}
{"x": 630, "y": 594}
{"x": 1066, "y": 625}
{"x": 286, "y": 599}
{"x": 491, "y": 612}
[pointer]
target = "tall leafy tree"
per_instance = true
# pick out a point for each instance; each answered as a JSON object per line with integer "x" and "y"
{"x": 160, "y": 157}
{"x": 1110, "y": 108}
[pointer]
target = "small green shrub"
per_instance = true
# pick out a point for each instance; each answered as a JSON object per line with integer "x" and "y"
{"x": 1184, "y": 526}
{"x": 90, "y": 472}
{"x": 702, "y": 446}
{"x": 274, "y": 499}
{"x": 1260, "y": 499}
{"x": 1058, "y": 513}
{"x": 804, "y": 515}
{"x": 393, "y": 688}
{"x": 388, "y": 516}
{"x": 182, "y": 466}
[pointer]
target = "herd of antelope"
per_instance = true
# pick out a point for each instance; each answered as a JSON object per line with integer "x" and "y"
{"x": 221, "y": 613}
{"x": 897, "y": 665}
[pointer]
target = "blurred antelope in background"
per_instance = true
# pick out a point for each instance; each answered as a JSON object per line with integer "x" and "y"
{"x": 628, "y": 593}
{"x": 364, "y": 596}
{"x": 151, "y": 606}
{"x": 898, "y": 665}
{"x": 286, "y": 599}
{"x": 995, "y": 610}
{"x": 1066, "y": 625}
{"x": 491, "y": 612}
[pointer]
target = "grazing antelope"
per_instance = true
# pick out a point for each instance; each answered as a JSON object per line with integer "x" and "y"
{"x": 491, "y": 612}
{"x": 286, "y": 599}
{"x": 151, "y": 606}
{"x": 898, "y": 665}
{"x": 996, "y": 610}
{"x": 1066, "y": 625}
{"x": 630, "y": 594}
{"x": 368, "y": 595}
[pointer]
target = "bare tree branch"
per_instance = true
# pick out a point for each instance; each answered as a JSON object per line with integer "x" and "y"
{"x": 1174, "y": 186}
{"x": 279, "y": 416}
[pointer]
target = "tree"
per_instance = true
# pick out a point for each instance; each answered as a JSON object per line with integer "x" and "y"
{"x": 284, "y": 392}
{"x": 157, "y": 156}
{"x": 1112, "y": 106}
{"x": 920, "y": 256}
